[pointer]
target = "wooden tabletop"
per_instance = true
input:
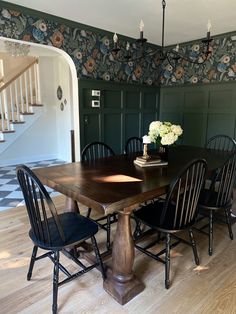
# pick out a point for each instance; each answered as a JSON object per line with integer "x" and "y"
{"x": 115, "y": 183}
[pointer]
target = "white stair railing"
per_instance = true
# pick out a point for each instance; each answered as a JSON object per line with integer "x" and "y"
{"x": 18, "y": 95}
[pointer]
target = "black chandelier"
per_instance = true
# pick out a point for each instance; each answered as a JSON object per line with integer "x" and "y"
{"x": 172, "y": 55}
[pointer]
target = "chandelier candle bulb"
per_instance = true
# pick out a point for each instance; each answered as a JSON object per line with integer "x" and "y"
{"x": 115, "y": 38}
{"x": 141, "y": 26}
{"x": 177, "y": 48}
{"x": 208, "y": 29}
{"x": 127, "y": 46}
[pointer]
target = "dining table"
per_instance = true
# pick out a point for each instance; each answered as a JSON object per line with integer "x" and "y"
{"x": 117, "y": 185}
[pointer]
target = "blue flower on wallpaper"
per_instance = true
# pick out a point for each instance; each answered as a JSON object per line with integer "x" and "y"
{"x": 37, "y": 34}
{"x": 93, "y": 58}
{"x": 221, "y": 67}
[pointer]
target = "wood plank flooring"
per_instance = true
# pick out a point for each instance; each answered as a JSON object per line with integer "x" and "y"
{"x": 208, "y": 288}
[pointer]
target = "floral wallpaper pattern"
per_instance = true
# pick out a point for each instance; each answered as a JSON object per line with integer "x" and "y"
{"x": 94, "y": 59}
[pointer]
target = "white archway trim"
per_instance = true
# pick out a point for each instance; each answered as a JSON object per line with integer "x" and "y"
{"x": 75, "y": 125}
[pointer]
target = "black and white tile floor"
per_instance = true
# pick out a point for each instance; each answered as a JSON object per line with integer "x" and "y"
{"x": 10, "y": 192}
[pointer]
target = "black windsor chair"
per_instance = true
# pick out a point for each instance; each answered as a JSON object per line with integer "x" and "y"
{"x": 133, "y": 144}
{"x": 177, "y": 212}
{"x": 221, "y": 142}
{"x": 218, "y": 197}
{"x": 91, "y": 153}
{"x": 55, "y": 232}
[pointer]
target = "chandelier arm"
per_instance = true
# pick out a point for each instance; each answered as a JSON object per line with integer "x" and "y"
{"x": 181, "y": 56}
{"x": 134, "y": 59}
{"x": 168, "y": 58}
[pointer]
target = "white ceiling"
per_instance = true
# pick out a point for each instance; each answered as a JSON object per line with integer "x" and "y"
{"x": 185, "y": 19}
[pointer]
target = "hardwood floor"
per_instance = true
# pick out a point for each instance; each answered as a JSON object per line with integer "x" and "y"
{"x": 208, "y": 288}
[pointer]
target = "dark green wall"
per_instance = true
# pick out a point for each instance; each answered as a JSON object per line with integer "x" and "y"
{"x": 202, "y": 111}
{"x": 125, "y": 111}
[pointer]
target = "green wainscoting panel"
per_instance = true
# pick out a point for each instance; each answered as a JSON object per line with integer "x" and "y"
{"x": 195, "y": 101}
{"x": 91, "y": 129}
{"x": 173, "y": 100}
{"x": 194, "y": 125}
{"x": 219, "y": 123}
{"x": 174, "y": 117}
{"x": 149, "y": 100}
{"x": 132, "y": 125}
{"x": 221, "y": 100}
{"x": 112, "y": 131}
{"x": 125, "y": 110}
{"x": 131, "y": 99}
{"x": 111, "y": 99}
{"x": 202, "y": 110}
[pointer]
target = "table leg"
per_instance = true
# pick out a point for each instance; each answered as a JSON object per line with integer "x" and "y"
{"x": 71, "y": 205}
{"x": 121, "y": 282}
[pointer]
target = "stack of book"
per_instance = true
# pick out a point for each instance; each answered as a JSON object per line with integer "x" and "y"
{"x": 150, "y": 162}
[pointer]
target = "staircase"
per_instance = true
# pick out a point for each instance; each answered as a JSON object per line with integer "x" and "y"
{"x": 20, "y": 101}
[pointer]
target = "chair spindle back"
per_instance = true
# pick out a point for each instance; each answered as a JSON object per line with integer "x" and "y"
{"x": 41, "y": 209}
{"x": 182, "y": 199}
{"x": 96, "y": 150}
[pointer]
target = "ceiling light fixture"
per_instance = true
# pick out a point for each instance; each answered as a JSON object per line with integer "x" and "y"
{"x": 170, "y": 55}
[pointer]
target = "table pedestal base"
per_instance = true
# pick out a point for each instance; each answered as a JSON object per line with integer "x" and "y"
{"x": 121, "y": 282}
{"x": 122, "y": 292}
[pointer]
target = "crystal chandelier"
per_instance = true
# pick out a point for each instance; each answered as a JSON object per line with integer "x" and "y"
{"x": 172, "y": 55}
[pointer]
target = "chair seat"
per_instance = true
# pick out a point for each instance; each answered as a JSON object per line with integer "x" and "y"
{"x": 207, "y": 200}
{"x": 151, "y": 215}
{"x": 76, "y": 228}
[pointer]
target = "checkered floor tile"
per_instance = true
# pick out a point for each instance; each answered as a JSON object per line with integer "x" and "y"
{"x": 10, "y": 192}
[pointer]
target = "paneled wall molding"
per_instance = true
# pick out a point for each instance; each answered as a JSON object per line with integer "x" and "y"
{"x": 203, "y": 110}
{"x": 124, "y": 111}
{"x": 90, "y": 48}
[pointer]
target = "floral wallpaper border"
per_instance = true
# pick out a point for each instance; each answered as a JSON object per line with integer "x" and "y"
{"x": 93, "y": 58}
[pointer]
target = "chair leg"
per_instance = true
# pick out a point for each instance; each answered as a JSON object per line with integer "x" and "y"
{"x": 98, "y": 257}
{"x": 108, "y": 244}
{"x": 137, "y": 230}
{"x": 89, "y": 212}
{"x": 32, "y": 261}
{"x": 167, "y": 262}
{"x": 193, "y": 242}
{"x": 210, "y": 248}
{"x": 228, "y": 221}
{"x": 55, "y": 281}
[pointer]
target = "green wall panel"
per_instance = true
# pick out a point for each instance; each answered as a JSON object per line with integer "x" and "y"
{"x": 203, "y": 111}
{"x": 91, "y": 130}
{"x": 221, "y": 100}
{"x": 125, "y": 110}
{"x": 149, "y": 100}
{"x": 174, "y": 117}
{"x": 194, "y": 129}
{"x": 219, "y": 123}
{"x": 195, "y": 100}
{"x": 132, "y": 100}
{"x": 131, "y": 125}
{"x": 111, "y": 99}
{"x": 112, "y": 131}
{"x": 173, "y": 100}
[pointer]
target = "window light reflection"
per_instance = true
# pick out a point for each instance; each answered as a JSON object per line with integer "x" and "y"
{"x": 116, "y": 178}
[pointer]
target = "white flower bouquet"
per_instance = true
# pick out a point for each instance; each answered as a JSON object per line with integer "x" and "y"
{"x": 164, "y": 133}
